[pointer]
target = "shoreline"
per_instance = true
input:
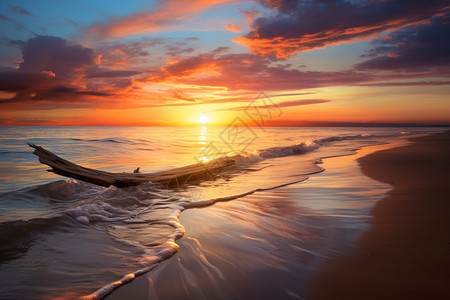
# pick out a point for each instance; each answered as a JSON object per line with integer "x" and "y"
{"x": 239, "y": 261}
{"x": 404, "y": 253}
{"x": 266, "y": 245}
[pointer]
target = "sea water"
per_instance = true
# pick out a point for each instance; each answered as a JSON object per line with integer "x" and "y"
{"x": 62, "y": 237}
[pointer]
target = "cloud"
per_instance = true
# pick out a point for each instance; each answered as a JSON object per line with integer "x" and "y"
{"x": 178, "y": 94}
{"x": 233, "y": 28}
{"x": 128, "y": 53}
{"x": 418, "y": 47}
{"x": 168, "y": 14}
{"x": 28, "y": 87}
{"x": 50, "y": 72}
{"x": 251, "y": 14}
{"x": 301, "y": 102}
{"x": 189, "y": 66}
{"x": 16, "y": 24}
{"x": 19, "y": 10}
{"x": 177, "y": 51}
{"x": 279, "y": 105}
{"x": 248, "y": 72}
{"x": 297, "y": 26}
{"x": 27, "y": 121}
{"x": 291, "y": 94}
{"x": 15, "y": 81}
{"x": 55, "y": 54}
{"x": 251, "y": 72}
{"x": 406, "y": 83}
{"x": 58, "y": 73}
{"x": 107, "y": 73}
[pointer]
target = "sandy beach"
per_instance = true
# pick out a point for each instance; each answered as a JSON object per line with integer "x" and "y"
{"x": 404, "y": 254}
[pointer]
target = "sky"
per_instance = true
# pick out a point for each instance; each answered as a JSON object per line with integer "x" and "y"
{"x": 175, "y": 62}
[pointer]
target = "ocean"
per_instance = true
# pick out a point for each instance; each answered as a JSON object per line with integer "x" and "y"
{"x": 294, "y": 198}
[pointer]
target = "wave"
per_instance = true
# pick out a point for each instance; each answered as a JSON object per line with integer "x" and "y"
{"x": 362, "y": 136}
{"x": 117, "y": 140}
{"x": 153, "y": 256}
{"x": 246, "y": 157}
{"x": 64, "y": 190}
{"x": 96, "y": 204}
{"x": 13, "y": 231}
{"x": 106, "y": 140}
{"x": 118, "y": 210}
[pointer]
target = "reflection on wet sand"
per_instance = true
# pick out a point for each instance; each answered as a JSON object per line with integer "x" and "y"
{"x": 266, "y": 245}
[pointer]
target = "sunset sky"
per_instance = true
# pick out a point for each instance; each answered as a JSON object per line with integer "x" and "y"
{"x": 178, "y": 62}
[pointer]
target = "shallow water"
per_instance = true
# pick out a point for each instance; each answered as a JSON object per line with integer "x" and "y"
{"x": 66, "y": 238}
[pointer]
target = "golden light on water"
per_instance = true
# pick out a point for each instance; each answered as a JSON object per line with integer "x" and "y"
{"x": 203, "y": 136}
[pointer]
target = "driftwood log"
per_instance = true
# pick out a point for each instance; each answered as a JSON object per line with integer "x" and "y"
{"x": 172, "y": 177}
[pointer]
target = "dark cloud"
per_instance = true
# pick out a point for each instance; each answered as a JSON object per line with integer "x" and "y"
{"x": 41, "y": 86}
{"x": 16, "y": 25}
{"x": 407, "y": 83}
{"x": 417, "y": 47}
{"x": 301, "y": 102}
{"x": 49, "y": 72}
{"x": 71, "y": 22}
{"x": 63, "y": 91}
{"x": 127, "y": 53}
{"x": 19, "y": 10}
{"x": 107, "y": 73}
{"x": 220, "y": 50}
{"x": 301, "y": 25}
{"x": 55, "y": 70}
{"x": 15, "y": 81}
{"x": 177, "y": 51}
{"x": 55, "y": 54}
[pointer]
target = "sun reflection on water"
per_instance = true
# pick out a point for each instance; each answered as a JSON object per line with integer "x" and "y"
{"x": 203, "y": 136}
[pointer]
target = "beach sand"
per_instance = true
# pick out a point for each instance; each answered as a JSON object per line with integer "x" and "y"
{"x": 405, "y": 253}
{"x": 274, "y": 245}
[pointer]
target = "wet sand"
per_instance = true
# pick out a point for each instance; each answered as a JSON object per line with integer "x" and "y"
{"x": 405, "y": 253}
{"x": 268, "y": 244}
{"x": 291, "y": 243}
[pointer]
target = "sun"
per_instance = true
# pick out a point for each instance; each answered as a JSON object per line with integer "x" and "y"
{"x": 203, "y": 119}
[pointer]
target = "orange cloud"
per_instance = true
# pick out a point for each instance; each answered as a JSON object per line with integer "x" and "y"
{"x": 219, "y": 69}
{"x": 282, "y": 47}
{"x": 167, "y": 15}
{"x": 233, "y": 28}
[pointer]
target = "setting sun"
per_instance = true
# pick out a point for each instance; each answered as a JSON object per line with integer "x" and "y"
{"x": 203, "y": 119}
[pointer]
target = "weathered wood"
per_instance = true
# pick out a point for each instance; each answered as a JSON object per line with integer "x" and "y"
{"x": 170, "y": 177}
